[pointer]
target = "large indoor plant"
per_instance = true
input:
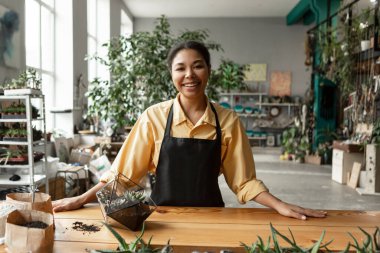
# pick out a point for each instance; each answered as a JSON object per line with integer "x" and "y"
{"x": 139, "y": 74}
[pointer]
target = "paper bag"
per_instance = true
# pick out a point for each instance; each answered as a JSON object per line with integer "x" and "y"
{"x": 23, "y": 201}
{"x": 99, "y": 166}
{"x": 20, "y": 238}
{"x": 5, "y": 209}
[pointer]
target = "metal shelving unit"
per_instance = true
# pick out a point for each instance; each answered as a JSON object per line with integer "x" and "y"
{"x": 257, "y": 101}
{"x": 31, "y": 179}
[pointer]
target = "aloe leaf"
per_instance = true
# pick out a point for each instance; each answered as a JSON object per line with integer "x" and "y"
{"x": 167, "y": 249}
{"x": 267, "y": 245}
{"x": 326, "y": 244}
{"x": 346, "y": 250}
{"x": 122, "y": 244}
{"x": 356, "y": 242}
{"x": 368, "y": 241}
{"x": 109, "y": 251}
{"x": 318, "y": 243}
{"x": 376, "y": 236}
{"x": 133, "y": 245}
{"x": 293, "y": 244}
{"x": 276, "y": 245}
{"x": 291, "y": 234}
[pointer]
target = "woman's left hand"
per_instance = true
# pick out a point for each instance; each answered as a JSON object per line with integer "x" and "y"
{"x": 286, "y": 209}
{"x": 298, "y": 212}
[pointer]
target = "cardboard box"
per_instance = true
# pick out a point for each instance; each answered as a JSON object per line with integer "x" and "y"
{"x": 56, "y": 188}
{"x": 313, "y": 159}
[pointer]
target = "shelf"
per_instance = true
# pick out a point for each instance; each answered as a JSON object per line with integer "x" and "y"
{"x": 21, "y": 143}
{"x": 252, "y": 115}
{"x": 13, "y": 120}
{"x": 368, "y": 54}
{"x": 243, "y": 94}
{"x": 16, "y": 97}
{"x": 278, "y": 104}
{"x": 61, "y": 111}
{"x": 31, "y": 178}
{"x": 20, "y": 166}
{"x": 25, "y": 180}
{"x": 18, "y": 120}
{"x": 257, "y": 138}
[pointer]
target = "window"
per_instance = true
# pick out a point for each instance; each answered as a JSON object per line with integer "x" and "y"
{"x": 98, "y": 33}
{"x": 39, "y": 46}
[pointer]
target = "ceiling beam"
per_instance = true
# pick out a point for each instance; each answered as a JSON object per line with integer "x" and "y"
{"x": 298, "y": 12}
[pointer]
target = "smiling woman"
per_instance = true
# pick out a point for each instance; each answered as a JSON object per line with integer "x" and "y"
{"x": 187, "y": 142}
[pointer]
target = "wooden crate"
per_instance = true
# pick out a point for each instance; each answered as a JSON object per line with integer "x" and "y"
{"x": 56, "y": 188}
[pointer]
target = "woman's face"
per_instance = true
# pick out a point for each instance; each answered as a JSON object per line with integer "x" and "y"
{"x": 190, "y": 73}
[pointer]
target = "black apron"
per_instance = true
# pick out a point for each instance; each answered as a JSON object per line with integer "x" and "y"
{"x": 188, "y": 169}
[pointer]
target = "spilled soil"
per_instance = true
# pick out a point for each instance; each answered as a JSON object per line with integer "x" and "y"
{"x": 85, "y": 228}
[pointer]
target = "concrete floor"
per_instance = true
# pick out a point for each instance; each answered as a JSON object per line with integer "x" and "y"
{"x": 302, "y": 184}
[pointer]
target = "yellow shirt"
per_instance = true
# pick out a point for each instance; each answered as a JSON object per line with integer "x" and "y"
{"x": 140, "y": 151}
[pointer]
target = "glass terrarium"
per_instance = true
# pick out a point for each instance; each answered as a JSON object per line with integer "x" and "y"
{"x": 125, "y": 202}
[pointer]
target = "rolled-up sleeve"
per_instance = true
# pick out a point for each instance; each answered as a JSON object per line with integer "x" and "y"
{"x": 135, "y": 156}
{"x": 238, "y": 165}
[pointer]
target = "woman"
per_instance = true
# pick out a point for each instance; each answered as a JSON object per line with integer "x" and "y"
{"x": 188, "y": 142}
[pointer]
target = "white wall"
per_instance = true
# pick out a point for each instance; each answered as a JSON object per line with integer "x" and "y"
{"x": 251, "y": 40}
{"x": 7, "y": 73}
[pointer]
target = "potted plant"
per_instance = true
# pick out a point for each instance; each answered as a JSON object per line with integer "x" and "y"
{"x": 124, "y": 202}
{"x": 135, "y": 246}
{"x": 231, "y": 75}
{"x": 28, "y": 82}
{"x": 140, "y": 76}
{"x": 14, "y": 111}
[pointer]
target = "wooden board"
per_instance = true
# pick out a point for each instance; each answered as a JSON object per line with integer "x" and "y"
{"x": 354, "y": 176}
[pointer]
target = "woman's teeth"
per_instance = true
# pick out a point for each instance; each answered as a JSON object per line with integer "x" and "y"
{"x": 190, "y": 84}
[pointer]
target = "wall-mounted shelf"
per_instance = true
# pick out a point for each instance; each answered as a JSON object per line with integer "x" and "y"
{"x": 255, "y": 100}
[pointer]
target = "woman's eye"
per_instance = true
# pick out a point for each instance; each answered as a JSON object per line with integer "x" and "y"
{"x": 179, "y": 69}
{"x": 199, "y": 66}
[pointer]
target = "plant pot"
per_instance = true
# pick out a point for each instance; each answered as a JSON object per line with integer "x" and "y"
{"x": 123, "y": 202}
{"x": 29, "y": 231}
{"x": 42, "y": 201}
{"x": 13, "y": 116}
{"x": 365, "y": 45}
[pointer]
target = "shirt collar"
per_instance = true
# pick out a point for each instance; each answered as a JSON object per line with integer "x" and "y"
{"x": 180, "y": 117}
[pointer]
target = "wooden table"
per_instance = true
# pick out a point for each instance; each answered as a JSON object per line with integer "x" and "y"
{"x": 212, "y": 229}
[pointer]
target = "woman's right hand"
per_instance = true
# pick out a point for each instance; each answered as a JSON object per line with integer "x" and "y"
{"x": 77, "y": 202}
{"x": 67, "y": 204}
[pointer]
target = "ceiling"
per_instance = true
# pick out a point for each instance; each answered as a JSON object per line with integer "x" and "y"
{"x": 209, "y": 8}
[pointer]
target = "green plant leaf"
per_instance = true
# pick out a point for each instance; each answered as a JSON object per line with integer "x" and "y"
{"x": 122, "y": 244}
{"x": 316, "y": 246}
{"x": 133, "y": 245}
{"x": 276, "y": 245}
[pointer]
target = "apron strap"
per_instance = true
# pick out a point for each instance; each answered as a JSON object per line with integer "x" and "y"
{"x": 170, "y": 121}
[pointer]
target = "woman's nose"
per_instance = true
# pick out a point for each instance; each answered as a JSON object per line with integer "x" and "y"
{"x": 189, "y": 73}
